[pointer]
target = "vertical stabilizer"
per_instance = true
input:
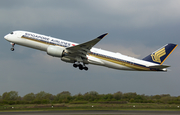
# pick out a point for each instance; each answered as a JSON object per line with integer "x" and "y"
{"x": 160, "y": 55}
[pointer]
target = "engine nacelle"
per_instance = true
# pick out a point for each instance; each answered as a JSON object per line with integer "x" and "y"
{"x": 55, "y": 51}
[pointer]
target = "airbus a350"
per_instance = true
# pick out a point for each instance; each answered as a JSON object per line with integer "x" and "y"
{"x": 80, "y": 55}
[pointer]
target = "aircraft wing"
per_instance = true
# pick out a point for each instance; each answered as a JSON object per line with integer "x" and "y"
{"x": 159, "y": 66}
{"x": 81, "y": 50}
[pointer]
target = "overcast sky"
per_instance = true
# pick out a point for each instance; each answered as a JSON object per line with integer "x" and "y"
{"x": 136, "y": 28}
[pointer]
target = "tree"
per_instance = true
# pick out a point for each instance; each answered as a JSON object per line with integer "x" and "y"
{"x": 156, "y": 97}
{"x": 29, "y": 97}
{"x": 4, "y": 95}
{"x": 78, "y": 97}
{"x": 129, "y": 96}
{"x": 10, "y": 96}
{"x": 63, "y": 97}
{"x": 118, "y": 95}
{"x": 138, "y": 99}
{"x": 91, "y": 96}
{"x": 166, "y": 99}
{"x": 93, "y": 93}
{"x": 43, "y": 97}
{"x": 108, "y": 97}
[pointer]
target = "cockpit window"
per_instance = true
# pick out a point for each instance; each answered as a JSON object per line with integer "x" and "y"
{"x": 11, "y": 32}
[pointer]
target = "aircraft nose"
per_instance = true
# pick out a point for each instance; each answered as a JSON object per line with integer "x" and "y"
{"x": 6, "y": 37}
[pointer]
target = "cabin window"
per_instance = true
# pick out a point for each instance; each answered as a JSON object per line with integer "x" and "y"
{"x": 11, "y": 32}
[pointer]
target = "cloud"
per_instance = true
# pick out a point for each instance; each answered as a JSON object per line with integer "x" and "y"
{"x": 142, "y": 13}
{"x": 116, "y": 13}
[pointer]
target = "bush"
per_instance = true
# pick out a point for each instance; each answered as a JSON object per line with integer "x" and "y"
{"x": 11, "y": 102}
{"x": 37, "y": 101}
{"x": 45, "y": 101}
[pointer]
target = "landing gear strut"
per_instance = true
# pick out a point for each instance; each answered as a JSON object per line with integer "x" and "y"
{"x": 12, "y": 49}
{"x": 81, "y": 67}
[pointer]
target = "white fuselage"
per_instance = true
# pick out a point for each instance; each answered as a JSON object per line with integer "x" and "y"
{"x": 95, "y": 56}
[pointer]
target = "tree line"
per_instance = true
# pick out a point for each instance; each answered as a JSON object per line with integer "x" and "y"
{"x": 42, "y": 97}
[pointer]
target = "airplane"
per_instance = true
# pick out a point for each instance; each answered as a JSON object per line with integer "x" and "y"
{"x": 82, "y": 54}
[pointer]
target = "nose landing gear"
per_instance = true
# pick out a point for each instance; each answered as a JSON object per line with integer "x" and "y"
{"x": 12, "y": 49}
{"x": 81, "y": 67}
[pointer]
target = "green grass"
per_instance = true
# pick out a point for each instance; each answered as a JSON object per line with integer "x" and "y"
{"x": 91, "y": 106}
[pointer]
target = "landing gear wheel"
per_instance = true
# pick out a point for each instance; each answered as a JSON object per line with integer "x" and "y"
{"x": 80, "y": 67}
{"x": 75, "y": 65}
{"x": 12, "y": 49}
{"x": 86, "y": 68}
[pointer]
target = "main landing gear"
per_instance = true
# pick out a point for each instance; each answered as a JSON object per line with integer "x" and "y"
{"x": 12, "y": 49}
{"x": 81, "y": 67}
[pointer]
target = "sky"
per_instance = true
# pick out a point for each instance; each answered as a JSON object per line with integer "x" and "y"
{"x": 136, "y": 28}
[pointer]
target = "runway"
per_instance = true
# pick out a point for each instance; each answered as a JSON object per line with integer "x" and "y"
{"x": 94, "y": 112}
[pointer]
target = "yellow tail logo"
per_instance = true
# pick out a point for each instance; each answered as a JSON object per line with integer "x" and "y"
{"x": 157, "y": 55}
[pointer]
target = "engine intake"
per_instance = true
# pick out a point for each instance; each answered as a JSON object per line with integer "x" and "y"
{"x": 55, "y": 51}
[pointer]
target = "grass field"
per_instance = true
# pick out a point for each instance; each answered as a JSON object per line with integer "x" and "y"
{"x": 91, "y": 106}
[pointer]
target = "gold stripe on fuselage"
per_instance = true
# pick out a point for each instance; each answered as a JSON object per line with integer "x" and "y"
{"x": 124, "y": 63}
{"x": 47, "y": 43}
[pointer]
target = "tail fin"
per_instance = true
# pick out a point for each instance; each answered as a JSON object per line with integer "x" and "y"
{"x": 160, "y": 55}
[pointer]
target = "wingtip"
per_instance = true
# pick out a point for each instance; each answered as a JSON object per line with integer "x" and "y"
{"x": 102, "y": 36}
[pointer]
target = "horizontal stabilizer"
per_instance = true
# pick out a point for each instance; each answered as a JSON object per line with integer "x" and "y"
{"x": 159, "y": 66}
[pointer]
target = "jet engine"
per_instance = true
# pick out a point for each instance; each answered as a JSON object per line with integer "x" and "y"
{"x": 55, "y": 51}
